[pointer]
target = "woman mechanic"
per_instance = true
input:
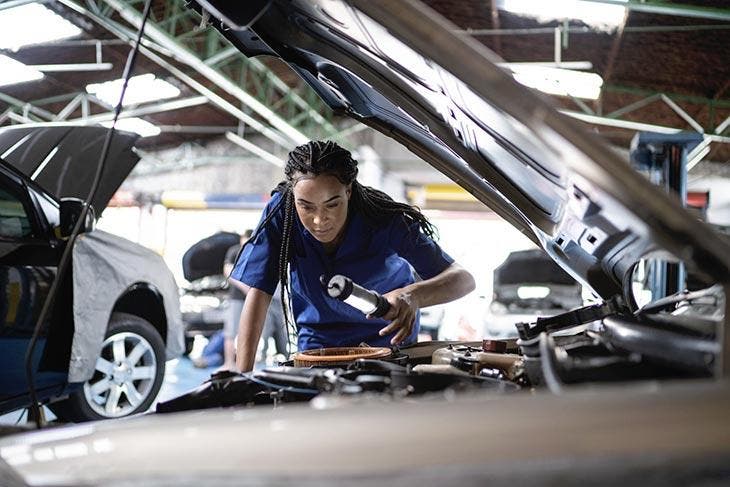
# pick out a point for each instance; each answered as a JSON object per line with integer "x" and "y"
{"x": 321, "y": 221}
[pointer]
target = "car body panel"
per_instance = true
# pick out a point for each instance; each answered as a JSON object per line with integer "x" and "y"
{"x": 59, "y": 158}
{"x": 540, "y": 439}
{"x": 446, "y": 100}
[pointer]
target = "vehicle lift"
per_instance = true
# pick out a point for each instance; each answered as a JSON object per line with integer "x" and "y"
{"x": 663, "y": 159}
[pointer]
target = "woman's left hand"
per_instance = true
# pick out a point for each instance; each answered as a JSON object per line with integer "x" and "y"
{"x": 402, "y": 313}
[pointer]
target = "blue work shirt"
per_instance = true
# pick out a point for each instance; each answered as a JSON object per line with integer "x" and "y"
{"x": 380, "y": 257}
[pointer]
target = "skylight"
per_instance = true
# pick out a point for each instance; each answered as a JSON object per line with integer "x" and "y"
{"x": 32, "y": 24}
{"x": 141, "y": 89}
{"x": 137, "y": 125}
{"x": 595, "y": 14}
{"x": 12, "y": 71}
{"x": 561, "y": 82}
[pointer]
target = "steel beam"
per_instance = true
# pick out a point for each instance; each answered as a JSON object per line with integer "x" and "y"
{"x": 141, "y": 111}
{"x": 22, "y": 105}
{"x": 135, "y": 112}
{"x": 215, "y": 99}
{"x": 254, "y": 149}
{"x": 69, "y": 109}
{"x": 676, "y": 108}
{"x": 17, "y": 3}
{"x": 634, "y": 106}
{"x": 189, "y": 58}
{"x": 195, "y": 129}
{"x": 588, "y": 30}
{"x": 664, "y": 8}
{"x": 212, "y": 48}
{"x": 721, "y": 128}
{"x": 627, "y": 124}
{"x": 696, "y": 158}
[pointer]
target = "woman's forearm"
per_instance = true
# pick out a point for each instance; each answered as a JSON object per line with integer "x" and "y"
{"x": 250, "y": 327}
{"x": 452, "y": 283}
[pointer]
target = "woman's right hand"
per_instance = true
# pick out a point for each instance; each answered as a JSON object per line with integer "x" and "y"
{"x": 402, "y": 315}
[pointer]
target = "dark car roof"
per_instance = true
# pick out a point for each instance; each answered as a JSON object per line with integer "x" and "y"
{"x": 530, "y": 266}
{"x": 206, "y": 257}
{"x": 63, "y": 159}
{"x": 401, "y": 69}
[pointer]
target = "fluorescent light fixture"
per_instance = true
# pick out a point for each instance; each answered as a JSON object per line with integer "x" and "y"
{"x": 595, "y": 14}
{"x": 12, "y": 71}
{"x": 32, "y": 24}
{"x": 561, "y": 82}
{"x": 137, "y": 125}
{"x": 532, "y": 292}
{"x": 141, "y": 89}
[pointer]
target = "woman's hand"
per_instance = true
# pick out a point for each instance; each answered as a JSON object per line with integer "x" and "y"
{"x": 402, "y": 313}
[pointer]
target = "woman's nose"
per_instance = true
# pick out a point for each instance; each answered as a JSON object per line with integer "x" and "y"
{"x": 319, "y": 217}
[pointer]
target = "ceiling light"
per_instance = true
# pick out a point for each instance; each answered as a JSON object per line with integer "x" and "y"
{"x": 137, "y": 125}
{"x": 142, "y": 88}
{"x": 532, "y": 292}
{"x": 32, "y": 24}
{"x": 561, "y": 82}
{"x": 595, "y": 14}
{"x": 12, "y": 71}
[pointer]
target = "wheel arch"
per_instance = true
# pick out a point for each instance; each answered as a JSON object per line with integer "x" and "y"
{"x": 144, "y": 300}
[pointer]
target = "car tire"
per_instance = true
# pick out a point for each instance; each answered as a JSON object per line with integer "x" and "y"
{"x": 127, "y": 376}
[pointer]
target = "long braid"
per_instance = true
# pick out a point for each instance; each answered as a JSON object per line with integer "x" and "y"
{"x": 375, "y": 205}
{"x": 284, "y": 256}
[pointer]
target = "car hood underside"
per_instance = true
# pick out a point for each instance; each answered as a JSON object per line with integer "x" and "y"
{"x": 399, "y": 68}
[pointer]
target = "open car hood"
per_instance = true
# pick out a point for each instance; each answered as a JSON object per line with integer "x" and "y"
{"x": 400, "y": 68}
{"x": 63, "y": 159}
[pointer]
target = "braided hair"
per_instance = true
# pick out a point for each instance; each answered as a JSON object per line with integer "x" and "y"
{"x": 326, "y": 157}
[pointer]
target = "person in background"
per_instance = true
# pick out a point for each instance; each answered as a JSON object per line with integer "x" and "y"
{"x": 212, "y": 355}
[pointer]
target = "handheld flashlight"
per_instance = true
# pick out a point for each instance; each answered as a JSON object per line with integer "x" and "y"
{"x": 368, "y": 301}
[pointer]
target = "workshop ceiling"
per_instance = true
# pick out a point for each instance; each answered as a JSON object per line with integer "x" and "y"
{"x": 665, "y": 65}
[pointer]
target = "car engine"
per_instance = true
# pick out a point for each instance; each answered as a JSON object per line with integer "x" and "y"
{"x": 672, "y": 338}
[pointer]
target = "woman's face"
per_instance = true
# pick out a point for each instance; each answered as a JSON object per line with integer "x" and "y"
{"x": 321, "y": 203}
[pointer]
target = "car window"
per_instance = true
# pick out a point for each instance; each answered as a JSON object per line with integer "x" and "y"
{"x": 14, "y": 220}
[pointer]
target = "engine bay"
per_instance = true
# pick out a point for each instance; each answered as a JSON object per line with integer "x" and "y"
{"x": 602, "y": 343}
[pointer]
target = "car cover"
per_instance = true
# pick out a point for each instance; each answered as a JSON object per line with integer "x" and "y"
{"x": 104, "y": 267}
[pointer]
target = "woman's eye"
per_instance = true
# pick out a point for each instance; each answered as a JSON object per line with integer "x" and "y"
{"x": 333, "y": 205}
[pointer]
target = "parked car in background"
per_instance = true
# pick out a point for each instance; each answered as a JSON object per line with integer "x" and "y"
{"x": 204, "y": 299}
{"x": 528, "y": 284}
{"x": 115, "y": 320}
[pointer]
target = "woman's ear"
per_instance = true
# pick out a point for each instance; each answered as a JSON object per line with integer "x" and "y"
{"x": 348, "y": 191}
